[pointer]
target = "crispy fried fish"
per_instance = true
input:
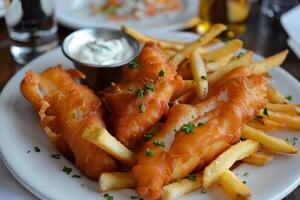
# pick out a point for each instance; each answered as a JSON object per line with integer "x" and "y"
{"x": 66, "y": 109}
{"x": 141, "y": 99}
{"x": 206, "y": 130}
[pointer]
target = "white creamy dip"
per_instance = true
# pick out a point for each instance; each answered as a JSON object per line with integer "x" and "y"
{"x": 104, "y": 52}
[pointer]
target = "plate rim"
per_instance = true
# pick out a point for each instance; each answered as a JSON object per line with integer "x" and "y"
{"x": 38, "y": 194}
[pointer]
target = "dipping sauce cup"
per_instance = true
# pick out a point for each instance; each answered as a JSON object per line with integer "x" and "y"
{"x": 89, "y": 48}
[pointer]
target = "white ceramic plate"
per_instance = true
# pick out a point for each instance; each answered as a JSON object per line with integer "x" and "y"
{"x": 43, "y": 176}
{"x": 75, "y": 14}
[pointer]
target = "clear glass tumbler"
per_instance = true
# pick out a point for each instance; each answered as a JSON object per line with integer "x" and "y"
{"x": 275, "y": 8}
{"x": 31, "y": 27}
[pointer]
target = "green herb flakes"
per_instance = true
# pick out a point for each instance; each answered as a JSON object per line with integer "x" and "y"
{"x": 187, "y": 128}
{"x": 149, "y": 86}
{"x": 159, "y": 143}
{"x": 55, "y": 156}
{"x": 266, "y": 112}
{"x": 161, "y": 73}
{"x": 76, "y": 176}
{"x": 37, "y": 149}
{"x": 204, "y": 77}
{"x": 133, "y": 64}
{"x": 149, "y": 152}
{"x": 192, "y": 177}
{"x": 290, "y": 97}
{"x": 67, "y": 170}
{"x": 141, "y": 108}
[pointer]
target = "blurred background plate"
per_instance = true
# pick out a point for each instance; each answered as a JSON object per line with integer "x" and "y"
{"x": 77, "y": 14}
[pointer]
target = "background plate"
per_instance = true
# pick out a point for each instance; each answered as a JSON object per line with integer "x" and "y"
{"x": 75, "y": 14}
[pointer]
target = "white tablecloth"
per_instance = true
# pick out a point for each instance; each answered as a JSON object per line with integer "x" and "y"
{"x": 10, "y": 188}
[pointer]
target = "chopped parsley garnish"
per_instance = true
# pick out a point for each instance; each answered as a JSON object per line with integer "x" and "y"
{"x": 292, "y": 141}
{"x": 244, "y": 182}
{"x": 210, "y": 61}
{"x": 246, "y": 174}
{"x": 187, "y": 128}
{"x": 204, "y": 77}
{"x": 56, "y": 156}
{"x": 149, "y": 86}
{"x": 200, "y": 123}
{"x": 108, "y": 197}
{"x": 192, "y": 177}
{"x": 290, "y": 97}
{"x": 67, "y": 170}
{"x": 133, "y": 64}
{"x": 266, "y": 112}
{"x": 161, "y": 73}
{"x": 149, "y": 152}
{"x": 141, "y": 108}
{"x": 74, "y": 115}
{"x": 37, "y": 149}
{"x": 76, "y": 176}
{"x": 241, "y": 54}
{"x": 149, "y": 135}
{"x": 140, "y": 93}
{"x": 203, "y": 191}
{"x": 159, "y": 143}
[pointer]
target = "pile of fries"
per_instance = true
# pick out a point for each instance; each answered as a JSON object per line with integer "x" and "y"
{"x": 198, "y": 65}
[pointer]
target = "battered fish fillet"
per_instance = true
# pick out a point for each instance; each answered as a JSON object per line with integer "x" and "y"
{"x": 141, "y": 99}
{"x": 213, "y": 126}
{"x": 66, "y": 109}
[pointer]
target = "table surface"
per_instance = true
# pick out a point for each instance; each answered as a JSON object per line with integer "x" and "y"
{"x": 264, "y": 36}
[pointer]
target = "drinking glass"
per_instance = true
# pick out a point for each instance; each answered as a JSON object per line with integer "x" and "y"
{"x": 275, "y": 8}
{"x": 31, "y": 27}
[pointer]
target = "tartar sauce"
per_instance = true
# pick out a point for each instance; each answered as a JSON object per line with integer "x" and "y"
{"x": 104, "y": 52}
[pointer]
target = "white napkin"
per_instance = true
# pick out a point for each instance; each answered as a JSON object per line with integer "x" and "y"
{"x": 291, "y": 23}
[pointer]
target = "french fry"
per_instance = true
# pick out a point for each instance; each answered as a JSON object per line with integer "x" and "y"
{"x": 229, "y": 48}
{"x": 142, "y": 38}
{"x": 177, "y": 189}
{"x": 225, "y": 160}
{"x": 103, "y": 139}
{"x": 275, "y": 96}
{"x": 289, "y": 109}
{"x": 265, "y": 124}
{"x": 290, "y": 121}
{"x": 188, "y": 85}
{"x": 234, "y": 187}
{"x": 115, "y": 180}
{"x": 180, "y": 56}
{"x": 192, "y": 22}
{"x": 258, "y": 159}
{"x": 199, "y": 74}
{"x": 218, "y": 63}
{"x": 207, "y": 37}
{"x": 268, "y": 141}
{"x": 169, "y": 52}
{"x": 244, "y": 60}
{"x": 269, "y": 63}
{"x": 212, "y": 33}
{"x": 213, "y": 42}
